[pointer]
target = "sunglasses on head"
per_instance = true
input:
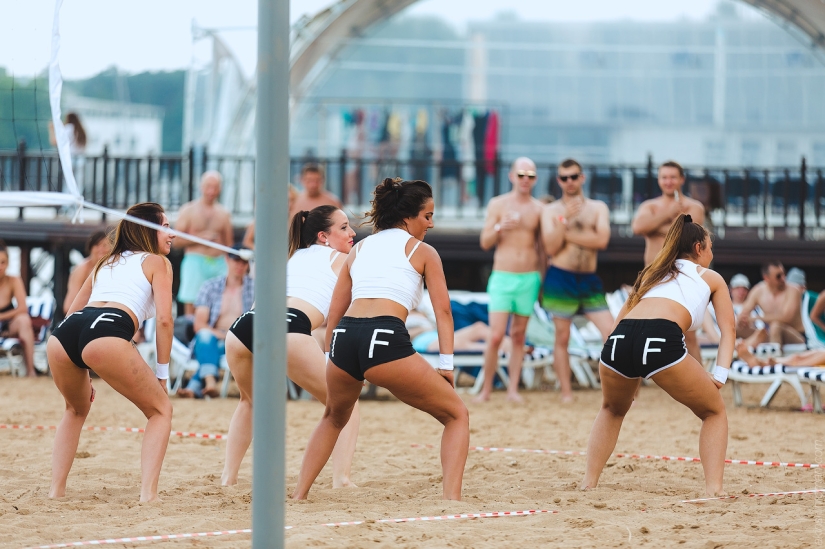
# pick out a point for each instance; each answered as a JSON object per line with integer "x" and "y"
{"x": 572, "y": 177}
{"x": 528, "y": 174}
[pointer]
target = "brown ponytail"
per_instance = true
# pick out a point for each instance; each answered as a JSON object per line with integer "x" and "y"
{"x": 395, "y": 200}
{"x": 305, "y": 226}
{"x": 679, "y": 244}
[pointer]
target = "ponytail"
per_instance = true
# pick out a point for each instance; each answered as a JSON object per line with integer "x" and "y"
{"x": 679, "y": 243}
{"x": 305, "y": 226}
{"x": 395, "y": 200}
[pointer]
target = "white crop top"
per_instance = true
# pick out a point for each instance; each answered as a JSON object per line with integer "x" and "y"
{"x": 381, "y": 269}
{"x": 124, "y": 282}
{"x": 688, "y": 289}
{"x": 309, "y": 276}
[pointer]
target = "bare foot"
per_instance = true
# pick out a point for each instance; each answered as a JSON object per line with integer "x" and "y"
{"x": 515, "y": 398}
{"x": 567, "y": 399}
{"x": 344, "y": 483}
{"x": 482, "y": 397}
{"x": 31, "y": 374}
{"x": 211, "y": 392}
{"x": 185, "y": 393}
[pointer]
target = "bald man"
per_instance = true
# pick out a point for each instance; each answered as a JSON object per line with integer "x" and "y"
{"x": 512, "y": 227}
{"x": 207, "y": 219}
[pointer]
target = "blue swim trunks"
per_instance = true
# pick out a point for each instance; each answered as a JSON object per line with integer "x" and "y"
{"x": 567, "y": 293}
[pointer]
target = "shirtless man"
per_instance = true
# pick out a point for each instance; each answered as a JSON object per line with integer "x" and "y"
{"x": 97, "y": 247}
{"x": 313, "y": 195}
{"x": 207, "y": 219}
{"x": 14, "y": 319}
{"x": 512, "y": 226}
{"x": 654, "y": 217}
{"x": 781, "y": 320}
{"x": 573, "y": 230}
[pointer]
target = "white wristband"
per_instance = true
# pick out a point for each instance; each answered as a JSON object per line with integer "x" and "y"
{"x": 326, "y": 355}
{"x": 162, "y": 371}
{"x": 445, "y": 362}
{"x": 720, "y": 374}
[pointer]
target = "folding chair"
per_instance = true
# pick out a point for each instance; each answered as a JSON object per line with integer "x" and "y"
{"x": 815, "y": 377}
{"x": 41, "y": 311}
{"x": 776, "y": 375}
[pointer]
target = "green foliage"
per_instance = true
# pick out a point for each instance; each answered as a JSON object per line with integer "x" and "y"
{"x": 24, "y": 111}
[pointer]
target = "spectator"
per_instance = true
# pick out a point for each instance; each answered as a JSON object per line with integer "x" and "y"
{"x": 797, "y": 276}
{"x": 97, "y": 247}
{"x": 313, "y": 195}
{"x": 249, "y": 235}
{"x": 813, "y": 357}
{"x": 739, "y": 288}
{"x": 74, "y": 131}
{"x": 207, "y": 219}
{"x": 818, "y": 316}
{"x": 424, "y": 336}
{"x": 15, "y": 321}
{"x": 780, "y": 304}
{"x": 220, "y": 301}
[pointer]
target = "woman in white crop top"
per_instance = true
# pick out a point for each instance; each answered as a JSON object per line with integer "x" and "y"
{"x": 319, "y": 241}
{"x": 378, "y": 285}
{"x": 669, "y": 298}
{"x": 132, "y": 283}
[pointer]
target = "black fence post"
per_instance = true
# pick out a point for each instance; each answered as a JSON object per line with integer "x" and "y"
{"x": 497, "y": 175}
{"x": 343, "y": 177}
{"x": 21, "y": 170}
{"x": 803, "y": 197}
{"x": 191, "y": 173}
{"x": 204, "y": 161}
{"x": 649, "y": 176}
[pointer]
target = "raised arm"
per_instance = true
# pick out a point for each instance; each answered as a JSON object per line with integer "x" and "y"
{"x": 750, "y": 303}
{"x": 552, "y": 231}
{"x": 647, "y": 220}
{"x": 600, "y": 237}
{"x": 489, "y": 234}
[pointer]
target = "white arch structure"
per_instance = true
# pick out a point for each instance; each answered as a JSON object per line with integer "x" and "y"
{"x": 316, "y": 40}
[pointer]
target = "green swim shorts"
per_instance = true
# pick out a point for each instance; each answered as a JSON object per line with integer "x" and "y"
{"x": 514, "y": 293}
{"x": 195, "y": 269}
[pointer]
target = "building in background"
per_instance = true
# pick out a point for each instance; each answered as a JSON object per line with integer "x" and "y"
{"x": 126, "y": 129}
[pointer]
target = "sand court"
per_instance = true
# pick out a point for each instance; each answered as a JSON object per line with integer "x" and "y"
{"x": 635, "y": 504}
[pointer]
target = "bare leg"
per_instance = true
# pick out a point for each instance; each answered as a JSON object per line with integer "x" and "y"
{"x": 617, "y": 396}
{"x": 498, "y": 326}
{"x": 518, "y": 329}
{"x": 604, "y": 322}
{"x": 757, "y": 337}
{"x": 688, "y": 382}
{"x": 561, "y": 357}
{"x": 74, "y": 384}
{"x": 413, "y": 381}
{"x": 119, "y": 364}
{"x": 239, "y": 360}
{"x": 783, "y": 334}
{"x": 806, "y": 358}
{"x": 306, "y": 366}
{"x": 745, "y": 354}
{"x": 21, "y": 328}
{"x": 343, "y": 394}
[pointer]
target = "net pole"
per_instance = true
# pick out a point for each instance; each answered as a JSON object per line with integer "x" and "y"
{"x": 269, "y": 369}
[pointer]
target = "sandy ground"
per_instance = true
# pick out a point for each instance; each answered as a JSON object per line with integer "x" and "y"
{"x": 634, "y": 505}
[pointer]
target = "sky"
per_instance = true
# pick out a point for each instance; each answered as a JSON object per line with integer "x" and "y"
{"x": 157, "y": 34}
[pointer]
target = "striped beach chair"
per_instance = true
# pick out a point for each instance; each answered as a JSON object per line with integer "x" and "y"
{"x": 815, "y": 377}
{"x": 776, "y": 375}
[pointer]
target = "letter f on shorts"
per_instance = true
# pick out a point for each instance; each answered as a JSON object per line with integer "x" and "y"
{"x": 374, "y": 341}
{"x": 649, "y": 350}
{"x": 103, "y": 318}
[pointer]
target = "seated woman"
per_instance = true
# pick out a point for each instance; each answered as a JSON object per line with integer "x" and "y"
{"x": 15, "y": 321}
{"x": 424, "y": 336}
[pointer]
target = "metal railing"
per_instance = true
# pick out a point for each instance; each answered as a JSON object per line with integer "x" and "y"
{"x": 760, "y": 203}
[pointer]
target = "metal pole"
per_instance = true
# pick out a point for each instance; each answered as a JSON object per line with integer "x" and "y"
{"x": 269, "y": 388}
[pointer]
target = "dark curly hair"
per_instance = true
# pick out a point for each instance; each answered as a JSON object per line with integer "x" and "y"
{"x": 396, "y": 200}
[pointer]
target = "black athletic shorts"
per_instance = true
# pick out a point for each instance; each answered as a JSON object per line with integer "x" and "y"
{"x": 358, "y": 344}
{"x": 644, "y": 347}
{"x": 242, "y": 328}
{"x": 297, "y": 322}
{"x": 81, "y": 328}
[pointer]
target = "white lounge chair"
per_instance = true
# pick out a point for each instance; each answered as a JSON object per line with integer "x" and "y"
{"x": 815, "y": 377}
{"x": 776, "y": 375}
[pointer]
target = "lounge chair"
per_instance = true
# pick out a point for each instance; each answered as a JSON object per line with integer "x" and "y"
{"x": 776, "y": 375}
{"x": 815, "y": 377}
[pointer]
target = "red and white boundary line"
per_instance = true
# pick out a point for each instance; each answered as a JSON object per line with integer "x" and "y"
{"x": 639, "y": 456}
{"x": 770, "y": 494}
{"x": 249, "y": 530}
{"x": 118, "y": 429}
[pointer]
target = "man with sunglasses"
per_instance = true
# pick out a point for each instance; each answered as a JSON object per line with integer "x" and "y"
{"x": 512, "y": 227}
{"x": 655, "y": 216}
{"x": 780, "y": 303}
{"x": 573, "y": 230}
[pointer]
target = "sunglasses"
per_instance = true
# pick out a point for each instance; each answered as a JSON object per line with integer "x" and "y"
{"x": 564, "y": 178}
{"x": 527, "y": 174}
{"x": 780, "y": 276}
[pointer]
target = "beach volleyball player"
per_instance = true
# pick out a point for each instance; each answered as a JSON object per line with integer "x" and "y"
{"x": 131, "y": 283}
{"x": 319, "y": 241}
{"x": 668, "y": 299}
{"x": 379, "y": 284}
